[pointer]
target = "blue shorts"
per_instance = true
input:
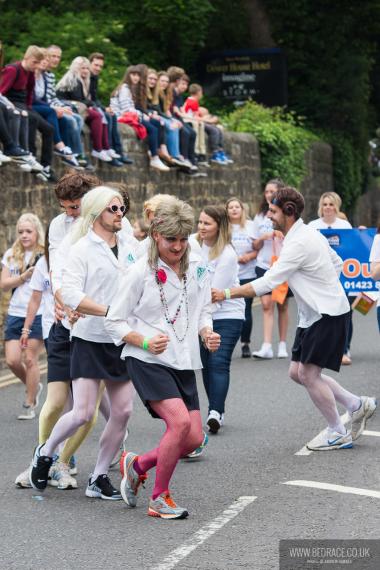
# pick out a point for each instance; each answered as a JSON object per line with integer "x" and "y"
{"x": 13, "y": 326}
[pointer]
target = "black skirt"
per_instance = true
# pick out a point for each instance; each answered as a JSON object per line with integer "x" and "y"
{"x": 323, "y": 342}
{"x": 154, "y": 382}
{"x": 97, "y": 360}
{"x": 58, "y": 354}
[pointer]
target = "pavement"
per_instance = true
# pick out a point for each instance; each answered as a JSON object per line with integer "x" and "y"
{"x": 254, "y": 486}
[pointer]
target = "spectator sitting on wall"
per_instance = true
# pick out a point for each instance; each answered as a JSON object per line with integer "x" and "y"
{"x": 74, "y": 87}
{"x": 42, "y": 107}
{"x": 116, "y": 150}
{"x": 178, "y": 82}
{"x": 70, "y": 123}
{"x": 127, "y": 100}
{"x": 17, "y": 84}
{"x": 215, "y": 134}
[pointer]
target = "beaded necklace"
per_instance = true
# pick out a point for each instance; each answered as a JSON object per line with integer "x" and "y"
{"x": 183, "y": 300}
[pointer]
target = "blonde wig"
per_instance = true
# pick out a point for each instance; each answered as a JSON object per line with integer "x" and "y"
{"x": 152, "y": 203}
{"x": 93, "y": 204}
{"x": 172, "y": 218}
{"x": 18, "y": 251}
{"x": 72, "y": 76}
{"x": 219, "y": 215}
{"x": 335, "y": 199}
{"x": 243, "y": 217}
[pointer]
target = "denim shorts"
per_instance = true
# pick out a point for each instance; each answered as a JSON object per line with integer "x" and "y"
{"x": 13, "y": 326}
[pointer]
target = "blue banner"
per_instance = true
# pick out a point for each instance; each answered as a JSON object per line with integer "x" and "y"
{"x": 354, "y": 247}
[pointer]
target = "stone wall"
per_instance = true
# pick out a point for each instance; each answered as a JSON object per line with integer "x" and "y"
{"x": 20, "y": 192}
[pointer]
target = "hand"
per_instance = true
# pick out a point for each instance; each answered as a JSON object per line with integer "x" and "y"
{"x": 211, "y": 340}
{"x": 24, "y": 341}
{"x": 109, "y": 110}
{"x": 245, "y": 258}
{"x": 59, "y": 311}
{"x": 73, "y": 316}
{"x": 158, "y": 344}
{"x": 27, "y": 274}
{"x": 217, "y": 295}
{"x": 67, "y": 110}
{"x": 59, "y": 112}
{"x": 277, "y": 234}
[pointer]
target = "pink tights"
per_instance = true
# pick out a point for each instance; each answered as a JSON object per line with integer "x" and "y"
{"x": 183, "y": 434}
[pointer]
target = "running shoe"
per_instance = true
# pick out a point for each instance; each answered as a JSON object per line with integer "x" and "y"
{"x": 27, "y": 413}
{"x": 102, "y": 488}
{"x": 59, "y": 477}
{"x": 131, "y": 482}
{"x": 73, "y": 465}
{"x": 22, "y": 480}
{"x": 359, "y": 418}
{"x": 328, "y": 440}
{"x": 282, "y": 351}
{"x": 265, "y": 352}
{"x": 165, "y": 508}
{"x": 214, "y": 421}
{"x": 245, "y": 351}
{"x": 199, "y": 450}
{"x": 39, "y": 470}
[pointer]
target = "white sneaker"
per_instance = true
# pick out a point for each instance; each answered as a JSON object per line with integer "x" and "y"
{"x": 59, "y": 476}
{"x": 282, "y": 352}
{"x": 28, "y": 413}
{"x": 22, "y": 480}
{"x": 359, "y": 418}
{"x": 4, "y": 158}
{"x": 34, "y": 164}
{"x": 101, "y": 155}
{"x": 112, "y": 153}
{"x": 265, "y": 351}
{"x": 328, "y": 440}
{"x": 155, "y": 162}
{"x": 25, "y": 167}
{"x": 214, "y": 421}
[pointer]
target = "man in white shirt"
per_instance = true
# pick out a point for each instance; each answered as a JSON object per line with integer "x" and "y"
{"x": 312, "y": 270}
{"x": 99, "y": 254}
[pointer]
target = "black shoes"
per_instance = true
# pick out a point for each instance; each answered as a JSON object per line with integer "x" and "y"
{"x": 245, "y": 351}
{"x": 39, "y": 471}
{"x": 102, "y": 488}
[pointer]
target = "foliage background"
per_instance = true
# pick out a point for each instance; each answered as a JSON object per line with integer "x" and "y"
{"x": 332, "y": 50}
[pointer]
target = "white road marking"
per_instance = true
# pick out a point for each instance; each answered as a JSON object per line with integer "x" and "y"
{"x": 305, "y": 451}
{"x": 204, "y": 533}
{"x": 373, "y": 433}
{"x": 337, "y": 488}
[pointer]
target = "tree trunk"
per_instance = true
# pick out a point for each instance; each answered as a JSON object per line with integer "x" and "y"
{"x": 259, "y": 24}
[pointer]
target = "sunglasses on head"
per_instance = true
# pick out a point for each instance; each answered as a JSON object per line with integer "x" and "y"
{"x": 73, "y": 207}
{"x": 115, "y": 209}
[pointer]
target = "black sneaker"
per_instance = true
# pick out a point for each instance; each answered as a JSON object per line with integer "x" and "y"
{"x": 116, "y": 162}
{"x": 245, "y": 351}
{"x": 126, "y": 160}
{"x": 39, "y": 471}
{"x": 102, "y": 488}
{"x": 47, "y": 175}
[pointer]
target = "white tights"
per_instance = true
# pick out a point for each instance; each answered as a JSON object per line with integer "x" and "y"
{"x": 325, "y": 392}
{"x": 85, "y": 393}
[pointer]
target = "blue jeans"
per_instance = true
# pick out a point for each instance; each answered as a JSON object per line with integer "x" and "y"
{"x": 216, "y": 365}
{"x": 172, "y": 138}
{"x": 247, "y": 325}
{"x": 71, "y": 127}
{"x": 50, "y": 116}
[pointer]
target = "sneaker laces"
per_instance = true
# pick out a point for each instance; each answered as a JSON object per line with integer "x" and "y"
{"x": 169, "y": 501}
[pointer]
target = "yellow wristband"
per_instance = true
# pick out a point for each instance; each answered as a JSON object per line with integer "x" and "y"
{"x": 227, "y": 293}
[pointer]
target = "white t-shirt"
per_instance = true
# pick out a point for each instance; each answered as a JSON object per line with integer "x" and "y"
{"x": 40, "y": 281}
{"x": 339, "y": 224}
{"x": 223, "y": 272}
{"x": 262, "y": 225}
{"x": 374, "y": 256}
{"x": 18, "y": 304}
{"x": 242, "y": 241}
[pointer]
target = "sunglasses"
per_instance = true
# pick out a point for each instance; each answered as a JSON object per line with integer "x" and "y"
{"x": 115, "y": 209}
{"x": 73, "y": 207}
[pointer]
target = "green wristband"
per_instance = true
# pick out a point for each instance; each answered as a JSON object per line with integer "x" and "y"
{"x": 145, "y": 344}
{"x": 227, "y": 293}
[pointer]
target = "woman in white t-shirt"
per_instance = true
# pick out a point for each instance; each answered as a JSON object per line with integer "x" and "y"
{"x": 214, "y": 237}
{"x": 374, "y": 258}
{"x": 18, "y": 265}
{"x": 269, "y": 242}
{"x": 330, "y": 217}
{"x": 242, "y": 242}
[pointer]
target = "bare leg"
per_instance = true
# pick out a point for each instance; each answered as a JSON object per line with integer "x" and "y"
{"x": 268, "y": 309}
{"x": 13, "y": 358}
{"x": 31, "y": 354}
{"x": 283, "y": 320}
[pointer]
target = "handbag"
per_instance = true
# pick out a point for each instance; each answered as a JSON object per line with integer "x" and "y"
{"x": 280, "y": 292}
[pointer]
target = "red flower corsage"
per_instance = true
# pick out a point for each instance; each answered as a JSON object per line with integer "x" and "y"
{"x": 161, "y": 275}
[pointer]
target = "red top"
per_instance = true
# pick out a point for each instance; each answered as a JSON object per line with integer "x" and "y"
{"x": 192, "y": 104}
{"x": 24, "y": 81}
